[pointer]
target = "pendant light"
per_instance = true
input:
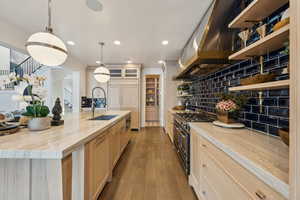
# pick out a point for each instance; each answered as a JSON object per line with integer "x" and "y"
{"x": 45, "y": 47}
{"x": 101, "y": 73}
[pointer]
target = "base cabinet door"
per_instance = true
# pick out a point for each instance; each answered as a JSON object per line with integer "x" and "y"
{"x": 169, "y": 125}
{"x": 122, "y": 136}
{"x": 67, "y": 177}
{"x": 97, "y": 169}
{"x": 114, "y": 144}
{"x": 196, "y": 160}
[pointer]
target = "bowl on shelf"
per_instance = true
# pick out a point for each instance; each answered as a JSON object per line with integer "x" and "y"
{"x": 281, "y": 24}
{"x": 179, "y": 108}
{"x": 284, "y": 135}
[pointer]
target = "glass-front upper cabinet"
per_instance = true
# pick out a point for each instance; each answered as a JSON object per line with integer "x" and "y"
{"x": 115, "y": 73}
{"x": 131, "y": 73}
{"x": 124, "y": 72}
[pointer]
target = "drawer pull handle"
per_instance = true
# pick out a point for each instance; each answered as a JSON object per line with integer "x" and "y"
{"x": 203, "y": 192}
{"x": 203, "y": 145}
{"x": 261, "y": 195}
{"x": 204, "y": 165}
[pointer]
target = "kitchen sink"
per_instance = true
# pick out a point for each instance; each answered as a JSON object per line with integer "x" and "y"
{"x": 104, "y": 117}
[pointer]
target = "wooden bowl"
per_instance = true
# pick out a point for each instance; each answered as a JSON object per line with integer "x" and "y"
{"x": 281, "y": 24}
{"x": 179, "y": 108}
{"x": 258, "y": 78}
{"x": 285, "y": 136}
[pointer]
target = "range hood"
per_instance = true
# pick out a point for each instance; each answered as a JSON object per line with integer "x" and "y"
{"x": 210, "y": 45}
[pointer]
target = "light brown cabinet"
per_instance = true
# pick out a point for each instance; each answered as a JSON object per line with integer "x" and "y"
{"x": 102, "y": 154}
{"x": 114, "y": 145}
{"x": 216, "y": 176}
{"x": 170, "y": 126}
{"x": 125, "y": 134}
{"x": 67, "y": 177}
{"x": 96, "y": 165}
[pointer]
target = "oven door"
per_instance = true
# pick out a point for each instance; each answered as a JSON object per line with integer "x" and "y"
{"x": 184, "y": 142}
{"x": 181, "y": 142}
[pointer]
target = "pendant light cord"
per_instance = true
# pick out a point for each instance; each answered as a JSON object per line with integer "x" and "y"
{"x": 49, "y": 28}
{"x": 101, "y": 53}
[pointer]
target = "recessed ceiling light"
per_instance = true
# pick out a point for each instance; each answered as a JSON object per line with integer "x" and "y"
{"x": 165, "y": 42}
{"x": 98, "y": 62}
{"x": 117, "y": 42}
{"x": 129, "y": 61}
{"x": 71, "y": 43}
{"x": 161, "y": 62}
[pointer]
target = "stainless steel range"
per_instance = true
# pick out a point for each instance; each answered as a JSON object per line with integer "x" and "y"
{"x": 182, "y": 135}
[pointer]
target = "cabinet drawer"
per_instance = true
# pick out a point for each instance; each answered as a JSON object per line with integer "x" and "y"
{"x": 220, "y": 181}
{"x": 207, "y": 192}
{"x": 254, "y": 186}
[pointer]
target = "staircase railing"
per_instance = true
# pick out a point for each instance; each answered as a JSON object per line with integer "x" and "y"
{"x": 68, "y": 95}
{"x": 4, "y": 72}
{"x": 28, "y": 66}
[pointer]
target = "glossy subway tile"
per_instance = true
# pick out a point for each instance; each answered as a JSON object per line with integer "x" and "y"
{"x": 268, "y": 117}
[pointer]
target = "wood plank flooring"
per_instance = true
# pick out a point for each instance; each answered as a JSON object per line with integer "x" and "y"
{"x": 152, "y": 124}
{"x": 148, "y": 170}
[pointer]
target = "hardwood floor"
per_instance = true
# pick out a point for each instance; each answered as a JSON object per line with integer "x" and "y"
{"x": 148, "y": 170}
{"x": 152, "y": 124}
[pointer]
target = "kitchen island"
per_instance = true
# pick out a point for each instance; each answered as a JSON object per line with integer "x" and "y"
{"x": 73, "y": 161}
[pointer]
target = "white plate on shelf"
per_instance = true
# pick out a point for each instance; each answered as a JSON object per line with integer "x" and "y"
{"x": 231, "y": 125}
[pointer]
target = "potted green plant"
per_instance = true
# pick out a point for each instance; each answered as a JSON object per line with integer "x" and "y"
{"x": 32, "y": 92}
{"x": 229, "y": 106}
{"x": 38, "y": 114}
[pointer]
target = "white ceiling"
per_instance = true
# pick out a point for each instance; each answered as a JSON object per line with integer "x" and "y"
{"x": 140, "y": 25}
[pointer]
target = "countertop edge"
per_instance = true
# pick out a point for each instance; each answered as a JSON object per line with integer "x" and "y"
{"x": 32, "y": 154}
{"x": 60, "y": 153}
{"x": 68, "y": 150}
{"x": 265, "y": 176}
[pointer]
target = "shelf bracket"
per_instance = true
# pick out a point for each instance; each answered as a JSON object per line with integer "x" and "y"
{"x": 260, "y": 95}
{"x": 261, "y": 62}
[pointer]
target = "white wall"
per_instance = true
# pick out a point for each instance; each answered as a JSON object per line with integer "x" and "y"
{"x": 14, "y": 37}
{"x": 6, "y": 104}
{"x": 4, "y": 58}
{"x": 158, "y": 71}
{"x": 170, "y": 92}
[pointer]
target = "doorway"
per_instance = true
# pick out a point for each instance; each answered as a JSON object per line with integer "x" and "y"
{"x": 152, "y": 100}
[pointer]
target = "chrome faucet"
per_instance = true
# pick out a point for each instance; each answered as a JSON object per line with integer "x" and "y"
{"x": 94, "y": 103}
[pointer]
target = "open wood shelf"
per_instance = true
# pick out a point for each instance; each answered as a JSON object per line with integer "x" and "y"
{"x": 265, "y": 45}
{"x": 185, "y": 83}
{"x": 263, "y": 86}
{"x": 179, "y": 96}
{"x": 256, "y": 11}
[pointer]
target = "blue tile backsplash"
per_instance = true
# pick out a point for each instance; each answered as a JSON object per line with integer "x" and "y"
{"x": 268, "y": 118}
{"x": 87, "y": 102}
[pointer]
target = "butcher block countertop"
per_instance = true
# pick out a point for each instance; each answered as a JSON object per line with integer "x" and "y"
{"x": 265, "y": 156}
{"x": 58, "y": 141}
